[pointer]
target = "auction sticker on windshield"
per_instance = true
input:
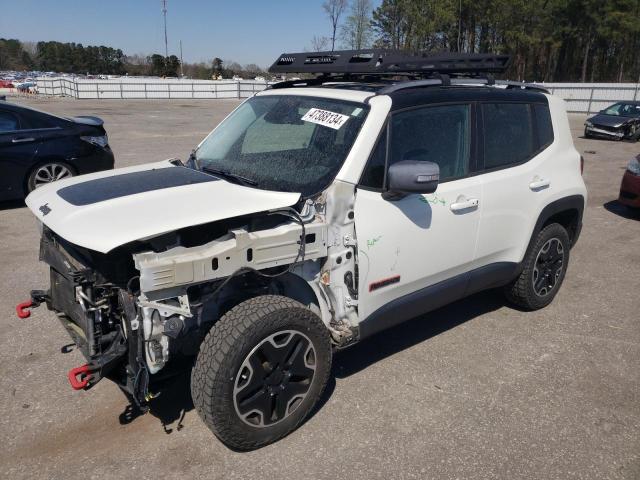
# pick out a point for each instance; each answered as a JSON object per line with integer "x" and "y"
{"x": 325, "y": 118}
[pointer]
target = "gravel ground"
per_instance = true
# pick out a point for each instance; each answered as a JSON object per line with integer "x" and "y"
{"x": 473, "y": 390}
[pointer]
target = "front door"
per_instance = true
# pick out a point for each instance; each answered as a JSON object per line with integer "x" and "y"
{"x": 420, "y": 240}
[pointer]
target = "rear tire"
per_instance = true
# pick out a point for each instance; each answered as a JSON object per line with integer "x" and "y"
{"x": 260, "y": 371}
{"x": 544, "y": 268}
{"x": 47, "y": 173}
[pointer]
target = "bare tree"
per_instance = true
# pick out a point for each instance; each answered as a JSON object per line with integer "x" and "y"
{"x": 334, "y": 10}
{"x": 357, "y": 31}
{"x": 318, "y": 44}
{"x": 31, "y": 48}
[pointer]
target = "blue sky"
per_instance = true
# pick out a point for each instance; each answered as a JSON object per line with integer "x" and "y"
{"x": 246, "y": 31}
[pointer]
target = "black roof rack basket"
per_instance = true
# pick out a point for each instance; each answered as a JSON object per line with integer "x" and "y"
{"x": 389, "y": 62}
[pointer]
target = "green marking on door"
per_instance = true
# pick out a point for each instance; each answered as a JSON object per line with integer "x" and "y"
{"x": 373, "y": 241}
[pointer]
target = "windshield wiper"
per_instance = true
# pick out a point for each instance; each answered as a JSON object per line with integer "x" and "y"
{"x": 228, "y": 175}
{"x": 192, "y": 161}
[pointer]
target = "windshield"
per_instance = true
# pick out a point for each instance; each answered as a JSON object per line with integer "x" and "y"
{"x": 284, "y": 142}
{"x": 623, "y": 109}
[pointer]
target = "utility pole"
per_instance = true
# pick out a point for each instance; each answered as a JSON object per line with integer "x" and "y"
{"x": 181, "y": 71}
{"x": 164, "y": 13}
{"x": 459, "y": 26}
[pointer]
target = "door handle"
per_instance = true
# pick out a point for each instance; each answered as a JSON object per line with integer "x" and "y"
{"x": 539, "y": 183}
{"x": 22, "y": 140}
{"x": 464, "y": 204}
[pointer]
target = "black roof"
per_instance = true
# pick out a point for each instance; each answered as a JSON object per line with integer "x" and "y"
{"x": 15, "y": 107}
{"x": 419, "y": 96}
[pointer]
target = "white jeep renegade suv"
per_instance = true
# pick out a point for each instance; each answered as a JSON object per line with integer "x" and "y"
{"x": 317, "y": 214}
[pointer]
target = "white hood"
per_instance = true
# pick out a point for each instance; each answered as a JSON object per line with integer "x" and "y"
{"x": 104, "y": 210}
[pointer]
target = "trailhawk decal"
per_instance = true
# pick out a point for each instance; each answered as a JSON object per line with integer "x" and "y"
{"x": 325, "y": 118}
{"x": 384, "y": 283}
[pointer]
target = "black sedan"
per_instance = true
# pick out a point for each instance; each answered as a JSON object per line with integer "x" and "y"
{"x": 38, "y": 148}
{"x": 619, "y": 121}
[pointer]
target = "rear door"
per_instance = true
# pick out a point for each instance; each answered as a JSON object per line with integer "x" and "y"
{"x": 18, "y": 148}
{"x": 408, "y": 244}
{"x": 517, "y": 177}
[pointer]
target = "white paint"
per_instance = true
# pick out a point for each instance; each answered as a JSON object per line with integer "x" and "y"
{"x": 103, "y": 226}
{"x": 419, "y": 238}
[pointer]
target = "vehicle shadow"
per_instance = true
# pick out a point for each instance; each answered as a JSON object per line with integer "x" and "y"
{"x": 623, "y": 211}
{"x": 175, "y": 401}
{"x": 389, "y": 342}
{"x": 170, "y": 406}
{"x": 11, "y": 204}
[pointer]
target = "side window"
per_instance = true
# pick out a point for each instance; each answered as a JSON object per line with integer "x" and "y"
{"x": 545, "y": 127}
{"x": 439, "y": 134}
{"x": 8, "y": 122}
{"x": 373, "y": 175}
{"x": 508, "y": 134}
{"x": 34, "y": 120}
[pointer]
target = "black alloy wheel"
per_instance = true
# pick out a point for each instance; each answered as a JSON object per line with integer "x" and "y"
{"x": 543, "y": 269}
{"x": 261, "y": 370}
{"x": 274, "y": 378}
{"x": 548, "y": 267}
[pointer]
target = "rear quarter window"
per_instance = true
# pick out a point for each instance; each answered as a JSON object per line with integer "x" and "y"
{"x": 544, "y": 125}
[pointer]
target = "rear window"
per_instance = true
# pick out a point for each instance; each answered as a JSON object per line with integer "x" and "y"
{"x": 8, "y": 122}
{"x": 545, "y": 127}
{"x": 508, "y": 134}
{"x": 36, "y": 120}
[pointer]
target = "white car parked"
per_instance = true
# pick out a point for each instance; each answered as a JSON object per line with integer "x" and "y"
{"x": 320, "y": 212}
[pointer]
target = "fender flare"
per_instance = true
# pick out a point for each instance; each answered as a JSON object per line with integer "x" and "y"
{"x": 572, "y": 202}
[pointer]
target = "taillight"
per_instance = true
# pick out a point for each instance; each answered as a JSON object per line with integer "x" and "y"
{"x": 581, "y": 165}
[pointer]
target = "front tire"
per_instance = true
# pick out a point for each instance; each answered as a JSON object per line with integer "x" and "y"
{"x": 544, "y": 269}
{"x": 260, "y": 371}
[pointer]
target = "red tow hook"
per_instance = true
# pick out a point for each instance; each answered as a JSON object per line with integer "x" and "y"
{"x": 20, "y": 309}
{"x": 84, "y": 372}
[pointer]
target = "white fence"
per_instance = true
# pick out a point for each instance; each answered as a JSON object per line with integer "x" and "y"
{"x": 148, "y": 88}
{"x": 593, "y": 97}
{"x": 580, "y": 97}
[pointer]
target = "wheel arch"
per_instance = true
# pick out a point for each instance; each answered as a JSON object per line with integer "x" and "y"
{"x": 567, "y": 211}
{"x": 40, "y": 161}
{"x": 290, "y": 285}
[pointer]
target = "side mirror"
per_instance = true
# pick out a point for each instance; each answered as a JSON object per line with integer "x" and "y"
{"x": 411, "y": 176}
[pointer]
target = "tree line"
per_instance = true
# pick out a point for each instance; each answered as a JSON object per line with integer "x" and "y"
{"x": 100, "y": 60}
{"x": 549, "y": 40}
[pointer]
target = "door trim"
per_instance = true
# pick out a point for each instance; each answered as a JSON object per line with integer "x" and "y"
{"x": 438, "y": 295}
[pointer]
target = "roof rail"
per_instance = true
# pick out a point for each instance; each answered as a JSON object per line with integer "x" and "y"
{"x": 437, "y": 81}
{"x": 459, "y": 81}
{"x": 389, "y": 62}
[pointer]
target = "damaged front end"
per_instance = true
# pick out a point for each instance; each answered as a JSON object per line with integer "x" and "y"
{"x": 139, "y": 313}
{"x": 90, "y": 296}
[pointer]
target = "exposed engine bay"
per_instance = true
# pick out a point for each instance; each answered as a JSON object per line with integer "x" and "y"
{"x": 139, "y": 312}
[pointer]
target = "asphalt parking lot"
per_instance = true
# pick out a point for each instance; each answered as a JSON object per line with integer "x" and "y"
{"x": 476, "y": 390}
